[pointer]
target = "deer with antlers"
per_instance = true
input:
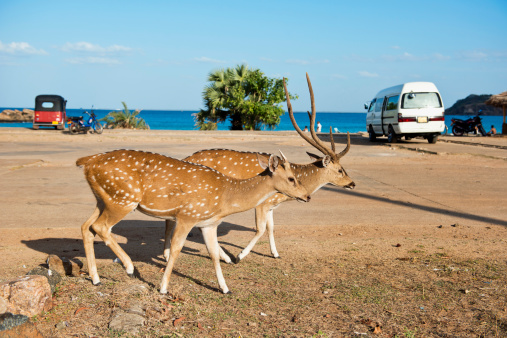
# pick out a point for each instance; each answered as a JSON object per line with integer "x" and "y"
{"x": 325, "y": 169}
{"x": 189, "y": 193}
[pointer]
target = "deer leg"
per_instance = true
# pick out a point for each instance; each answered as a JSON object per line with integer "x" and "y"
{"x": 169, "y": 229}
{"x": 211, "y": 240}
{"x": 178, "y": 238}
{"x": 102, "y": 227}
{"x": 271, "y": 227}
{"x": 88, "y": 236}
{"x": 261, "y": 212}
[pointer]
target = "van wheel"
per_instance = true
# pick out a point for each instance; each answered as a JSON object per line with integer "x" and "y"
{"x": 391, "y": 135}
{"x": 432, "y": 139}
{"x": 371, "y": 134}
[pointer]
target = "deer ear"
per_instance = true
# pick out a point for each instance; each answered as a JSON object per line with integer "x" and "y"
{"x": 313, "y": 156}
{"x": 263, "y": 161}
{"x": 326, "y": 160}
{"x": 273, "y": 163}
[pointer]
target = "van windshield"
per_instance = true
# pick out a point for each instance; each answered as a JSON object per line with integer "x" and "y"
{"x": 421, "y": 100}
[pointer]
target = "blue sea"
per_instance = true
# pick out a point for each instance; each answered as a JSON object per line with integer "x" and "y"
{"x": 184, "y": 120}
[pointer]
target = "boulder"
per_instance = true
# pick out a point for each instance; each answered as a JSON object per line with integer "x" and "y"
{"x": 15, "y": 115}
{"x": 53, "y": 277}
{"x": 15, "y": 326}
{"x": 27, "y": 295}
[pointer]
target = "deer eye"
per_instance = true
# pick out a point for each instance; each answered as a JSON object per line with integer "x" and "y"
{"x": 292, "y": 180}
{"x": 340, "y": 171}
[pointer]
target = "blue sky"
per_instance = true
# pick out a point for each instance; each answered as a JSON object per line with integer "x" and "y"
{"x": 157, "y": 54}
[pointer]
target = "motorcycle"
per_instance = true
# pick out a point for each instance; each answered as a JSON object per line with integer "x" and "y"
{"x": 473, "y": 124}
{"x": 78, "y": 124}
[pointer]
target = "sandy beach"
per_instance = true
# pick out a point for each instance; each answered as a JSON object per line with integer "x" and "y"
{"x": 422, "y": 196}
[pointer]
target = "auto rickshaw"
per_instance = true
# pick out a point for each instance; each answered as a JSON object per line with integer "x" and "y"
{"x": 49, "y": 112}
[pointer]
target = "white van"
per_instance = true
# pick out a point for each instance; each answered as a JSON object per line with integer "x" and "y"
{"x": 411, "y": 109}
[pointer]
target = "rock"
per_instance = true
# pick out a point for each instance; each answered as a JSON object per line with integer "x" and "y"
{"x": 136, "y": 289}
{"x": 15, "y": 326}
{"x": 9, "y": 320}
{"x": 53, "y": 277}
{"x": 27, "y": 295}
{"x": 10, "y": 115}
{"x": 62, "y": 325}
{"x": 64, "y": 266}
{"x": 127, "y": 322}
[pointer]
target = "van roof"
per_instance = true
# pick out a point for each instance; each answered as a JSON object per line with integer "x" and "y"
{"x": 407, "y": 88}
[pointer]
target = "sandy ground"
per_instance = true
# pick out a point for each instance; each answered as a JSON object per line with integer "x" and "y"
{"x": 403, "y": 191}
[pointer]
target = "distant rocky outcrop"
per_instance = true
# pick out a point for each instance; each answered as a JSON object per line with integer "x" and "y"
{"x": 471, "y": 106}
{"x": 14, "y": 115}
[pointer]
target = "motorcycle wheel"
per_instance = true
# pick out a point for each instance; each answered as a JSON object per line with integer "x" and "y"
{"x": 97, "y": 127}
{"x": 482, "y": 130}
{"x": 457, "y": 131}
{"x": 74, "y": 130}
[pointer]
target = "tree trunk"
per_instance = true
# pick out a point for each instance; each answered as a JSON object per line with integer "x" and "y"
{"x": 236, "y": 123}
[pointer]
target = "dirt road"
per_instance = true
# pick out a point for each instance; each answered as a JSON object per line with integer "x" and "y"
{"x": 408, "y": 196}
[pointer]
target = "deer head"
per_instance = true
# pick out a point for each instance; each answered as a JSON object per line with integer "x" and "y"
{"x": 331, "y": 160}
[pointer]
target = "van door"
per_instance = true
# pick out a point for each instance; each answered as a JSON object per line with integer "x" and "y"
{"x": 378, "y": 116}
{"x": 370, "y": 114}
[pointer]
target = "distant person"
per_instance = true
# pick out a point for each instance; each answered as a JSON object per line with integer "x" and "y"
{"x": 319, "y": 127}
{"x": 492, "y": 131}
{"x": 306, "y": 129}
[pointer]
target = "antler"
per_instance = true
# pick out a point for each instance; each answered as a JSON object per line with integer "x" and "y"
{"x": 315, "y": 141}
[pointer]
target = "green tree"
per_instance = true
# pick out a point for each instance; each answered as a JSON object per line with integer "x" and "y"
{"x": 125, "y": 119}
{"x": 248, "y": 98}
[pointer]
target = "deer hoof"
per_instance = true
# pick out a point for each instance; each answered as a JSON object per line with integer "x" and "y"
{"x": 97, "y": 284}
{"x": 277, "y": 257}
{"x": 131, "y": 275}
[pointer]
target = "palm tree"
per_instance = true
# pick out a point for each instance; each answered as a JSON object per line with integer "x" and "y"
{"x": 125, "y": 119}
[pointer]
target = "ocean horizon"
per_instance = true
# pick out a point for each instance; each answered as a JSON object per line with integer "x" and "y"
{"x": 342, "y": 122}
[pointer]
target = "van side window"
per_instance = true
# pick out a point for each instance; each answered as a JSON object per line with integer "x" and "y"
{"x": 378, "y": 105}
{"x": 392, "y": 102}
{"x": 372, "y": 106}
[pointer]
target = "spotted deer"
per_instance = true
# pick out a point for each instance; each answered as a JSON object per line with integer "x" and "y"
{"x": 167, "y": 188}
{"x": 325, "y": 169}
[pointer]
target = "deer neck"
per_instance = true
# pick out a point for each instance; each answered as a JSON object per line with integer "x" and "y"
{"x": 241, "y": 195}
{"x": 309, "y": 175}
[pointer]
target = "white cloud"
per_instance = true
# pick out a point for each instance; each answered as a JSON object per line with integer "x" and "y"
{"x": 87, "y": 47}
{"x": 364, "y": 73}
{"x": 20, "y": 48}
{"x": 473, "y": 55}
{"x": 297, "y": 62}
{"x": 338, "y": 76}
{"x": 405, "y": 56}
{"x": 93, "y": 60}
{"x": 306, "y": 62}
{"x": 208, "y": 60}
